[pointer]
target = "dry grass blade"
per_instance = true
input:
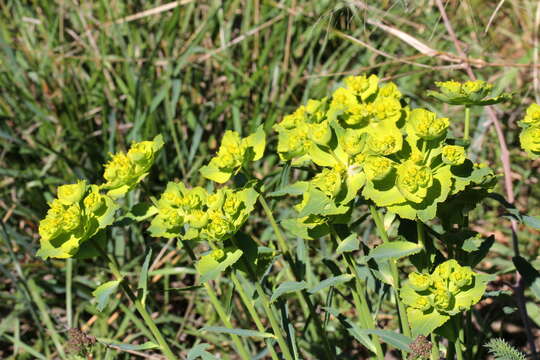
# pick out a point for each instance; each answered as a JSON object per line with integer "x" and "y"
{"x": 149, "y": 12}
{"x": 492, "y": 17}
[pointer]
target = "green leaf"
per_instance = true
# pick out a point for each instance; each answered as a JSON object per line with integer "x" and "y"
{"x": 130, "y": 347}
{"x": 239, "y": 332}
{"x": 209, "y": 268}
{"x": 466, "y": 299}
{"x": 471, "y": 244}
{"x": 476, "y": 256}
{"x": 296, "y": 189}
{"x": 394, "y": 250}
{"x": 397, "y": 340}
{"x": 257, "y": 141}
{"x": 319, "y": 204}
{"x": 288, "y": 287}
{"x": 213, "y": 173}
{"x": 359, "y": 334}
{"x": 531, "y": 221}
{"x": 103, "y": 292}
{"x": 333, "y": 281}
{"x": 350, "y": 243}
{"x": 143, "y": 278}
{"x": 531, "y": 276}
{"x": 533, "y": 311}
{"x": 424, "y": 324}
{"x": 199, "y": 351}
{"x": 142, "y": 211}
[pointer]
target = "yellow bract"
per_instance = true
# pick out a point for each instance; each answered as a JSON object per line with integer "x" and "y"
{"x": 377, "y": 167}
{"x": 362, "y": 86}
{"x": 532, "y": 117}
{"x": 124, "y": 171}
{"x": 426, "y": 124}
{"x": 329, "y": 181}
{"x": 72, "y": 193}
{"x": 413, "y": 180}
{"x": 453, "y": 155}
{"x": 420, "y": 282}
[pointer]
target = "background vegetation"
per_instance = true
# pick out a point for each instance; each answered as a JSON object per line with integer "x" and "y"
{"x": 79, "y": 80}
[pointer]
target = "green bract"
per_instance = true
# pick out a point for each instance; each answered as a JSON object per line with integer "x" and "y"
{"x": 426, "y": 124}
{"x": 468, "y": 93}
{"x": 530, "y": 140}
{"x": 235, "y": 152}
{"x": 195, "y": 214}
{"x": 78, "y": 213}
{"x": 124, "y": 171}
{"x": 432, "y": 299}
{"x": 453, "y": 155}
{"x": 532, "y": 116}
{"x": 530, "y": 132}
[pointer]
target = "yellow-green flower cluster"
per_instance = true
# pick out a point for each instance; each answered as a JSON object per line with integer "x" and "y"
{"x": 195, "y": 214}
{"x": 125, "y": 170}
{"x": 427, "y": 125}
{"x": 448, "y": 290}
{"x": 396, "y": 157}
{"x": 234, "y": 153}
{"x": 441, "y": 290}
{"x": 530, "y": 131}
{"x": 453, "y": 155}
{"x": 468, "y": 93}
{"x": 77, "y": 214}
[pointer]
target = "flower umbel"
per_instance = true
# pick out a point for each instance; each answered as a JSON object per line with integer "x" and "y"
{"x": 124, "y": 171}
{"x": 468, "y": 93}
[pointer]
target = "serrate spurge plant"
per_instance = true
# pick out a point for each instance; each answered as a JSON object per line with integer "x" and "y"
{"x": 361, "y": 152}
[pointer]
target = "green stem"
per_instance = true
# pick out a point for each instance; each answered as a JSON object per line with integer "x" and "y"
{"x": 420, "y": 232}
{"x": 366, "y": 319}
{"x": 435, "y": 353}
{"x": 254, "y": 315}
{"x": 394, "y": 270}
{"x": 141, "y": 308}
{"x": 468, "y": 335}
{"x": 467, "y": 123}
{"x": 274, "y": 322}
{"x": 279, "y": 235}
{"x": 69, "y": 299}
{"x": 244, "y": 354}
{"x": 363, "y": 306}
{"x": 461, "y": 337}
{"x": 305, "y": 301}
